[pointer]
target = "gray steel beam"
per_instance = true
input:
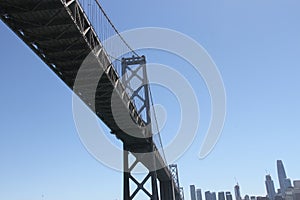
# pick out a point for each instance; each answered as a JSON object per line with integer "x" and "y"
{"x": 23, "y": 6}
{"x": 29, "y": 25}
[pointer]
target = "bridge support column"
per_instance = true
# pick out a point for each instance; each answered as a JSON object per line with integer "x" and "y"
{"x": 129, "y": 193}
{"x": 167, "y": 190}
{"x": 135, "y": 80}
{"x": 126, "y": 178}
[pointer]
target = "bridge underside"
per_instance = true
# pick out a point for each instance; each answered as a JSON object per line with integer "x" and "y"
{"x": 59, "y": 32}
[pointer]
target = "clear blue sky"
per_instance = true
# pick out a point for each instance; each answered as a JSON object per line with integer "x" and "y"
{"x": 255, "y": 44}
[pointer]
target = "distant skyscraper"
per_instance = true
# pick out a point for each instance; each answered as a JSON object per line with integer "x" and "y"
{"x": 213, "y": 196}
{"x": 237, "y": 192}
{"x": 228, "y": 196}
{"x": 221, "y": 196}
{"x": 193, "y": 192}
{"x": 270, "y": 187}
{"x": 284, "y": 182}
{"x": 199, "y": 194}
{"x": 246, "y": 197}
{"x": 208, "y": 195}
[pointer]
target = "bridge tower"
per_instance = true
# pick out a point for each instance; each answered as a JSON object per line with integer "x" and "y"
{"x": 134, "y": 72}
{"x": 175, "y": 176}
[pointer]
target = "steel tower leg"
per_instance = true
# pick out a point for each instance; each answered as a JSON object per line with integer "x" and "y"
{"x": 167, "y": 190}
{"x": 154, "y": 186}
{"x": 129, "y": 193}
{"x": 126, "y": 178}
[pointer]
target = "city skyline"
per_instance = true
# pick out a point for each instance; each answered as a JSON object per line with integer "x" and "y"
{"x": 271, "y": 191}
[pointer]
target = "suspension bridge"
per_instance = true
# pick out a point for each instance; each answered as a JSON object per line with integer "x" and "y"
{"x": 63, "y": 33}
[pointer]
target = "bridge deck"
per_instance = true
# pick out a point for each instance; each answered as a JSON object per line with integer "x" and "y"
{"x": 59, "y": 32}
